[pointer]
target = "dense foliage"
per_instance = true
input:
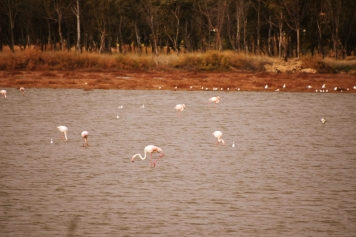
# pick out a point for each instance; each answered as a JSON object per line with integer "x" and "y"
{"x": 283, "y": 28}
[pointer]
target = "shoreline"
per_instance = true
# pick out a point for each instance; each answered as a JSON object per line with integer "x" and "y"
{"x": 179, "y": 80}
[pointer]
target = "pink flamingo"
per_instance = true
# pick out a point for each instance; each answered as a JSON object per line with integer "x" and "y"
{"x": 150, "y": 149}
{"x": 3, "y": 92}
{"x": 22, "y": 89}
{"x": 179, "y": 107}
{"x": 218, "y": 136}
{"x": 214, "y": 99}
{"x": 64, "y": 130}
{"x": 85, "y": 135}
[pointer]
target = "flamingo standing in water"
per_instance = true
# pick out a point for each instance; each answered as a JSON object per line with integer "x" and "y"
{"x": 64, "y": 130}
{"x": 214, "y": 99}
{"x": 85, "y": 135}
{"x": 150, "y": 149}
{"x": 3, "y": 92}
{"x": 218, "y": 136}
{"x": 179, "y": 107}
{"x": 22, "y": 89}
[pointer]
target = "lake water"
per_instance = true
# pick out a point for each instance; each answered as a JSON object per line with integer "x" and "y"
{"x": 289, "y": 174}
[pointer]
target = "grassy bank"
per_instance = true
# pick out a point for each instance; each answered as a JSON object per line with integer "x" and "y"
{"x": 209, "y": 61}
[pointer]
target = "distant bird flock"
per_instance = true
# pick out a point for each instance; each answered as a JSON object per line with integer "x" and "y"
{"x": 151, "y": 149}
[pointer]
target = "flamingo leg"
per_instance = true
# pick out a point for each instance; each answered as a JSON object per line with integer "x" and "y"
{"x": 154, "y": 163}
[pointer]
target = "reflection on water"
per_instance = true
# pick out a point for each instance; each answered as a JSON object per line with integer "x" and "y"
{"x": 289, "y": 174}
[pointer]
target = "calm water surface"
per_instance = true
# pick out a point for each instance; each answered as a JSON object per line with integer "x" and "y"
{"x": 289, "y": 174}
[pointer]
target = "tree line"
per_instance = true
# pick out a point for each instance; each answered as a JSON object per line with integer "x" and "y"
{"x": 283, "y": 28}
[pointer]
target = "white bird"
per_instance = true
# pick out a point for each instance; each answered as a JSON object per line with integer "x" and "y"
{"x": 266, "y": 86}
{"x": 323, "y": 120}
{"x": 191, "y": 87}
{"x": 85, "y": 135}
{"x": 277, "y": 90}
{"x": 142, "y": 106}
{"x": 284, "y": 86}
{"x": 159, "y": 87}
{"x": 3, "y": 92}
{"x": 64, "y": 130}
{"x": 218, "y": 136}
{"x": 323, "y": 86}
{"x": 233, "y": 144}
{"x": 120, "y": 107}
{"x": 354, "y": 87}
{"x": 214, "y": 99}
{"x": 150, "y": 149}
{"x": 117, "y": 116}
{"x": 51, "y": 140}
{"x": 179, "y": 107}
{"x": 22, "y": 89}
{"x": 309, "y": 87}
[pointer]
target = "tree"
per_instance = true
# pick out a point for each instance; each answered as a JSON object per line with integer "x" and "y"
{"x": 10, "y": 9}
{"x": 55, "y": 10}
{"x": 76, "y": 10}
{"x": 296, "y": 10}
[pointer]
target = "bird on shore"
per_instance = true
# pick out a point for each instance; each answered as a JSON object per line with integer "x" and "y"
{"x": 284, "y": 86}
{"x": 120, "y": 107}
{"x": 214, "y": 99}
{"x": 266, "y": 86}
{"x": 179, "y": 107}
{"x": 150, "y": 149}
{"x": 142, "y": 106}
{"x": 64, "y": 131}
{"x": 233, "y": 144}
{"x": 22, "y": 89}
{"x": 323, "y": 120}
{"x": 85, "y": 135}
{"x": 3, "y": 92}
{"x": 218, "y": 135}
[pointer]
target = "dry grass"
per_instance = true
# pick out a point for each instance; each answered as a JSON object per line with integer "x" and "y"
{"x": 211, "y": 61}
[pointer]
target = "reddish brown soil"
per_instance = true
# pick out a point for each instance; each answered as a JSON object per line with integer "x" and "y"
{"x": 149, "y": 80}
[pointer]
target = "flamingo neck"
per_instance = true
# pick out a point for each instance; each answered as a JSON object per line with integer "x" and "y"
{"x": 65, "y": 135}
{"x": 139, "y": 155}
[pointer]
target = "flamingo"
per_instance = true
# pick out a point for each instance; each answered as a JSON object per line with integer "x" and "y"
{"x": 179, "y": 107}
{"x": 218, "y": 136}
{"x": 22, "y": 89}
{"x": 142, "y": 106}
{"x": 64, "y": 130}
{"x": 233, "y": 144}
{"x": 150, "y": 149}
{"x": 323, "y": 120}
{"x": 3, "y": 92}
{"x": 214, "y": 99}
{"x": 85, "y": 135}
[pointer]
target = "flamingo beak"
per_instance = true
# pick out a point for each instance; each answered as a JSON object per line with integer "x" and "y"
{"x": 132, "y": 159}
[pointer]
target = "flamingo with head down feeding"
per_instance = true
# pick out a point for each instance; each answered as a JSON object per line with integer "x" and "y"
{"x": 64, "y": 130}
{"x": 85, "y": 135}
{"x": 22, "y": 89}
{"x": 179, "y": 107}
{"x": 3, "y": 92}
{"x": 214, "y": 99}
{"x": 150, "y": 149}
{"x": 218, "y": 136}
